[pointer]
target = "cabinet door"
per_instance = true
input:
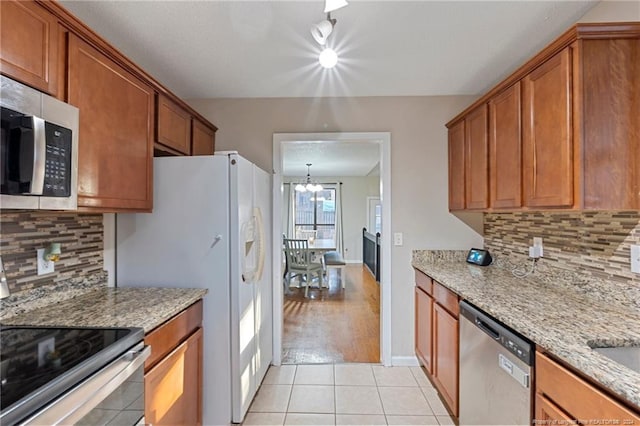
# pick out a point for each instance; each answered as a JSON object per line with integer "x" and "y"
{"x": 547, "y": 411}
{"x": 445, "y": 344}
{"x": 477, "y": 159}
{"x": 547, "y": 134}
{"x": 423, "y": 328}
{"x": 203, "y": 139}
{"x": 174, "y": 126}
{"x": 116, "y": 131}
{"x": 173, "y": 388}
{"x": 456, "y": 166}
{"x": 29, "y": 44}
{"x": 505, "y": 149}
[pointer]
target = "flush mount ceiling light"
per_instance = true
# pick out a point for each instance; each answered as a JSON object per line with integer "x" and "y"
{"x": 331, "y": 5}
{"x": 308, "y": 185}
{"x": 328, "y": 58}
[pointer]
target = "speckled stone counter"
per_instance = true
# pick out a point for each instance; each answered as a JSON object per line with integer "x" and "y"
{"x": 112, "y": 307}
{"x": 564, "y": 322}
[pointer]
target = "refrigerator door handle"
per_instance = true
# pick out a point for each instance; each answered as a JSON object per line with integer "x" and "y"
{"x": 216, "y": 240}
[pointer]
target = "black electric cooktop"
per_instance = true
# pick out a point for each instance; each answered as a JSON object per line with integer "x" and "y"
{"x": 39, "y": 363}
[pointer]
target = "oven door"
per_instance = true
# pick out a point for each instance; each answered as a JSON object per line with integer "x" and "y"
{"x": 113, "y": 395}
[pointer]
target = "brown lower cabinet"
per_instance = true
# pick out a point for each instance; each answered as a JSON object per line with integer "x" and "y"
{"x": 445, "y": 343}
{"x": 424, "y": 317}
{"x": 173, "y": 372}
{"x": 437, "y": 334}
{"x": 562, "y": 395}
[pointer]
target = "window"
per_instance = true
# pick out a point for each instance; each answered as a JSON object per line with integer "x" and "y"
{"x": 316, "y": 211}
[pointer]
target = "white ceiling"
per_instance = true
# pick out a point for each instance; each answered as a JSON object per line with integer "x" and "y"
{"x": 206, "y": 49}
{"x": 331, "y": 158}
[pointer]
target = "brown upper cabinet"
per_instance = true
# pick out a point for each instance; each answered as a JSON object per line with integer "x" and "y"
{"x": 116, "y": 127}
{"x": 203, "y": 138}
{"x": 563, "y": 129}
{"x": 181, "y": 133}
{"x": 468, "y": 162}
{"x": 456, "y": 167}
{"x": 547, "y": 134}
{"x": 505, "y": 149}
{"x": 174, "y": 126}
{"x": 476, "y": 159}
{"x": 29, "y": 45}
{"x": 44, "y": 46}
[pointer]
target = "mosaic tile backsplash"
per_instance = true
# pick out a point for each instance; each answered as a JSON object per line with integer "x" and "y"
{"x": 22, "y": 232}
{"x": 593, "y": 244}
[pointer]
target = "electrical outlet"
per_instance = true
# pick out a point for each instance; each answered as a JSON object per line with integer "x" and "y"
{"x": 537, "y": 246}
{"x": 44, "y": 266}
{"x": 397, "y": 239}
{"x": 635, "y": 258}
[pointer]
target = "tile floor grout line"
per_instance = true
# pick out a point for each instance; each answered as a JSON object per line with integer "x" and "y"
{"x": 286, "y": 410}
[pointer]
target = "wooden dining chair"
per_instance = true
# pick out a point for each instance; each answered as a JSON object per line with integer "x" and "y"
{"x": 299, "y": 262}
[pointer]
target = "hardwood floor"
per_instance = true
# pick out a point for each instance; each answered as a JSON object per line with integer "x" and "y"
{"x": 334, "y": 325}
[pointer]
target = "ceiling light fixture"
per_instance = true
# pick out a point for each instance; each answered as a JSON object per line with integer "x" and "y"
{"x": 331, "y": 5}
{"x": 328, "y": 58}
{"x": 308, "y": 185}
{"x": 322, "y": 30}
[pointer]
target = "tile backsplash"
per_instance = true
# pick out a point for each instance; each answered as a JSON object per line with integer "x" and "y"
{"x": 596, "y": 244}
{"x": 22, "y": 232}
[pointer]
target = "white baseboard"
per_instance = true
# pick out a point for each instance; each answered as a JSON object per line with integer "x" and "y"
{"x": 405, "y": 361}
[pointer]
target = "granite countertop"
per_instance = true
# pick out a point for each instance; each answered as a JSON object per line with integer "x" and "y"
{"x": 565, "y": 323}
{"x": 112, "y": 307}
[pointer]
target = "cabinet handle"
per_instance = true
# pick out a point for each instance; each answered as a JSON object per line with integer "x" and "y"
{"x": 216, "y": 240}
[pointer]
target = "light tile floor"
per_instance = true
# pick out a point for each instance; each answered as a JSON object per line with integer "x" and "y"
{"x": 346, "y": 394}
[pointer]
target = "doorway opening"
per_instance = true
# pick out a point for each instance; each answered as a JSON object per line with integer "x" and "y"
{"x": 359, "y": 284}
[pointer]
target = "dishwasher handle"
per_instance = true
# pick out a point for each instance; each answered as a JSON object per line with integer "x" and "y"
{"x": 487, "y": 329}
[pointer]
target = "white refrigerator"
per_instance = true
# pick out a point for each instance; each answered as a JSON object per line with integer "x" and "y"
{"x": 211, "y": 228}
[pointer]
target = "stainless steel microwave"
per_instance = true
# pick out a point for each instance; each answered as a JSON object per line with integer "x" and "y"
{"x": 38, "y": 150}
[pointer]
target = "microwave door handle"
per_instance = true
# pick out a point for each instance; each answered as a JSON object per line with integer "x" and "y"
{"x": 39, "y": 156}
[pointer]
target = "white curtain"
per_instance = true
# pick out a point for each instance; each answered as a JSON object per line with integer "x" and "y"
{"x": 290, "y": 230}
{"x": 339, "y": 232}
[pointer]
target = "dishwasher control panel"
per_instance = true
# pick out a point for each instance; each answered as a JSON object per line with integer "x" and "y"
{"x": 522, "y": 351}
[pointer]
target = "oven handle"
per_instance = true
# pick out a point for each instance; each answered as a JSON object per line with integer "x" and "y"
{"x": 80, "y": 400}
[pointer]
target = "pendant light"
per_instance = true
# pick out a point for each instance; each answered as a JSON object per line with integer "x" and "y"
{"x": 308, "y": 185}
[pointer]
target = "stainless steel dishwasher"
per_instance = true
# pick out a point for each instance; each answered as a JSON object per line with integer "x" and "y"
{"x": 495, "y": 371}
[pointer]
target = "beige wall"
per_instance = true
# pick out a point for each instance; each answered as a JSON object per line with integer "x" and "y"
{"x": 355, "y": 190}
{"x": 613, "y": 11}
{"x": 418, "y": 167}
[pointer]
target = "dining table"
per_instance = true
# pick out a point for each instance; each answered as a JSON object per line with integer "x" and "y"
{"x": 319, "y": 246}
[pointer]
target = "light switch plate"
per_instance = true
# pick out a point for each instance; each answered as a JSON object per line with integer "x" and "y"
{"x": 397, "y": 239}
{"x": 44, "y": 266}
{"x": 635, "y": 258}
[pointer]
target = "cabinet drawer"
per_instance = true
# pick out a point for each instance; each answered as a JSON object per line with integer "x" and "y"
{"x": 170, "y": 334}
{"x": 424, "y": 282}
{"x": 575, "y": 396}
{"x": 446, "y": 298}
{"x": 173, "y": 388}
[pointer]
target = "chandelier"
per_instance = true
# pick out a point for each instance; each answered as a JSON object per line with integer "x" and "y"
{"x": 308, "y": 185}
